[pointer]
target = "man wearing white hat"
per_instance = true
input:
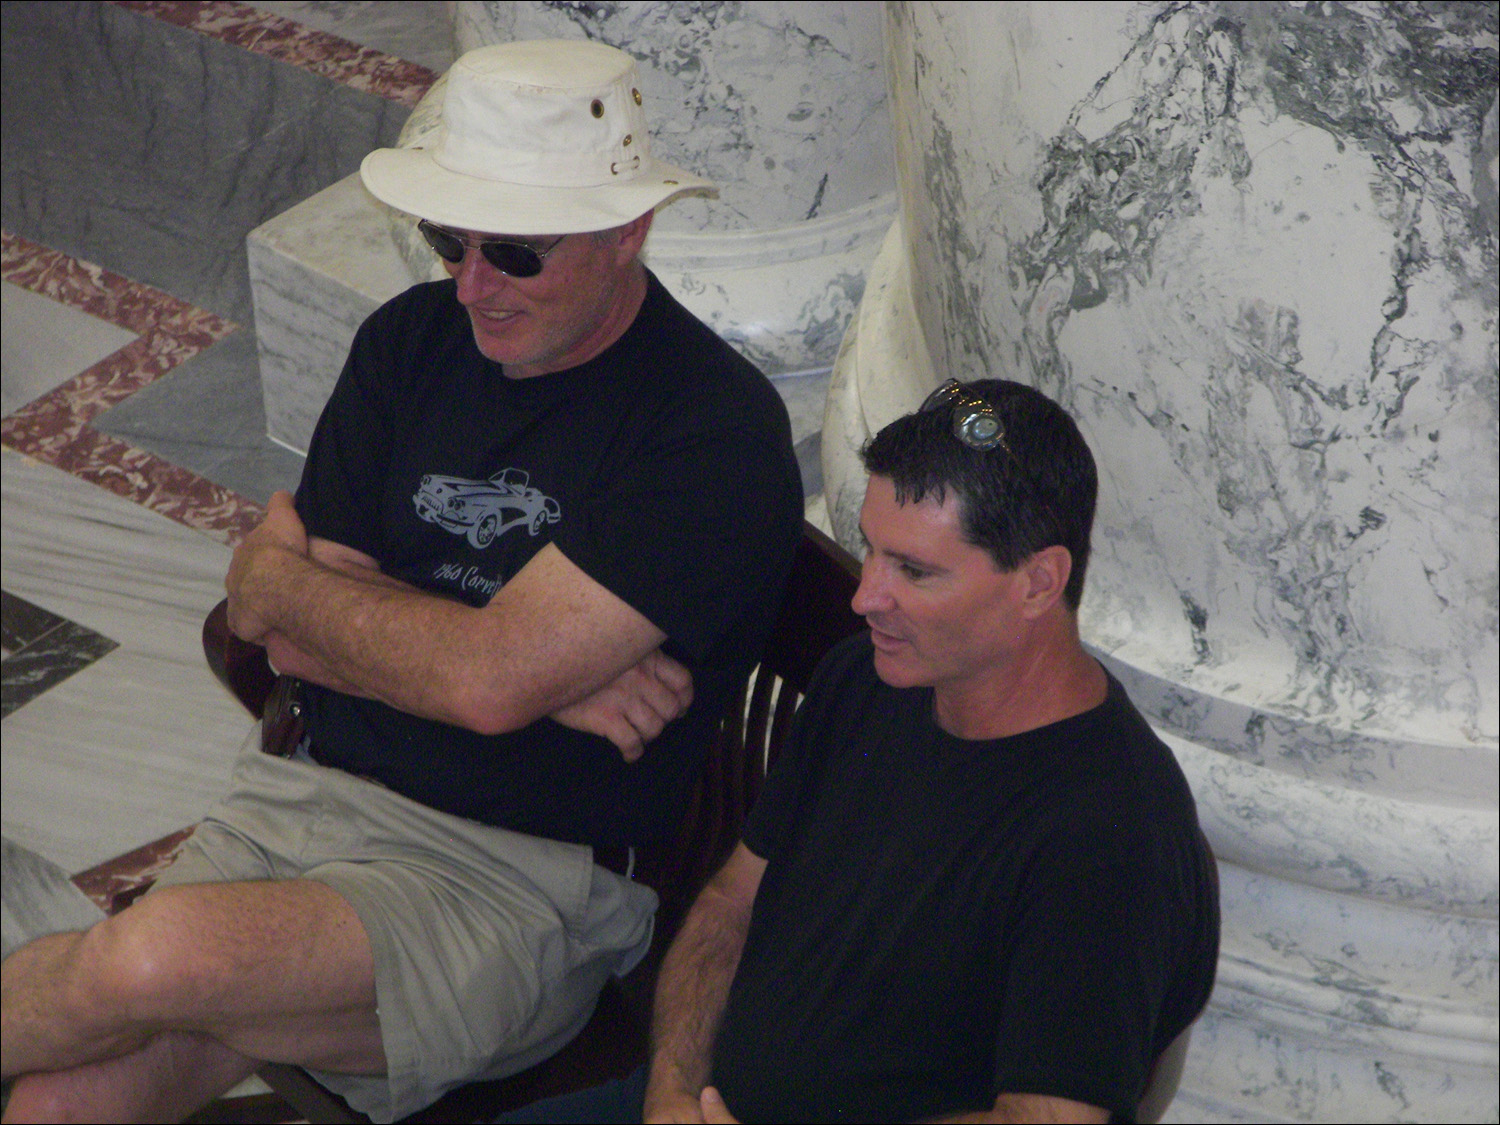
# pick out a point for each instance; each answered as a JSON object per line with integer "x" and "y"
{"x": 543, "y": 525}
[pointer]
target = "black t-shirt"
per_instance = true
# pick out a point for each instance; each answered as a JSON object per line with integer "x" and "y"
{"x": 944, "y": 920}
{"x": 662, "y": 468}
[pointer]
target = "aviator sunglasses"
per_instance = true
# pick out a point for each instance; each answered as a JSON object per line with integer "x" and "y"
{"x": 975, "y": 422}
{"x": 513, "y": 259}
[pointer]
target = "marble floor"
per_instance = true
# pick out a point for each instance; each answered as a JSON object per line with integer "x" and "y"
{"x": 142, "y": 142}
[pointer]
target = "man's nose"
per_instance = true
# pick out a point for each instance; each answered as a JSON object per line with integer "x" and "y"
{"x": 476, "y": 278}
{"x": 872, "y": 595}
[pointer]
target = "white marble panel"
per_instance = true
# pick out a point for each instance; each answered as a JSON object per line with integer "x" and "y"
{"x": 44, "y": 343}
{"x": 1268, "y": 302}
{"x": 782, "y": 104}
{"x": 1457, "y": 773}
{"x": 1248, "y": 1066}
{"x": 1340, "y": 839}
{"x": 141, "y": 742}
{"x": 316, "y": 272}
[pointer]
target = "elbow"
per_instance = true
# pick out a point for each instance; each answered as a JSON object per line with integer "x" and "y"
{"x": 486, "y": 710}
{"x": 483, "y": 717}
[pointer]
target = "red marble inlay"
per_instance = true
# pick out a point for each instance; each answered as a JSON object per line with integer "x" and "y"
{"x": 99, "y": 292}
{"x": 55, "y": 427}
{"x": 349, "y": 64}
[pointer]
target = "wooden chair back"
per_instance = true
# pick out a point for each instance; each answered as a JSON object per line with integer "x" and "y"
{"x": 815, "y": 615}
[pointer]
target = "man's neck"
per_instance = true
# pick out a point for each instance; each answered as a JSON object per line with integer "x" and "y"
{"x": 1049, "y": 681}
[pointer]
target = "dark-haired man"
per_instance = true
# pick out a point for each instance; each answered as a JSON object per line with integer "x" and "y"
{"x": 974, "y": 884}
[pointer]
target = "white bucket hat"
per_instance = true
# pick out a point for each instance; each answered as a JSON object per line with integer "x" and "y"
{"x": 537, "y": 137}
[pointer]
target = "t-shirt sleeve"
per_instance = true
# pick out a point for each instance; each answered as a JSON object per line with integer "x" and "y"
{"x": 698, "y": 531}
{"x": 1086, "y": 973}
{"x": 339, "y": 496}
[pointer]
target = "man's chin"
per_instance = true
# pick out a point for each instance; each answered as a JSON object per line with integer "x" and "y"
{"x": 895, "y": 672}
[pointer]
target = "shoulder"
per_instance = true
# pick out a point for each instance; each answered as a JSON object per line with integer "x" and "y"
{"x": 691, "y": 360}
{"x": 1119, "y": 787}
{"x": 424, "y": 318}
{"x": 414, "y": 333}
{"x": 430, "y": 302}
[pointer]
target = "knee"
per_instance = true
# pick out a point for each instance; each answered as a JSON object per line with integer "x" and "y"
{"x": 133, "y": 963}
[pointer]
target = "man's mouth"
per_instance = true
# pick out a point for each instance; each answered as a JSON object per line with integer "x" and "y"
{"x": 885, "y": 642}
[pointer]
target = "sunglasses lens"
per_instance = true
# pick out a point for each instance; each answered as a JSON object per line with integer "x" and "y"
{"x": 513, "y": 259}
{"x": 940, "y": 397}
{"x": 446, "y": 246}
{"x": 978, "y": 429}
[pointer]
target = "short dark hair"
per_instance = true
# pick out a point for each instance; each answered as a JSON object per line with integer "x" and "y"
{"x": 1037, "y": 490}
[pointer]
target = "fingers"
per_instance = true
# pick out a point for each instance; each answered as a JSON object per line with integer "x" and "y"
{"x": 662, "y": 684}
{"x": 670, "y": 674}
{"x": 714, "y": 1109}
{"x": 633, "y": 709}
{"x": 283, "y": 524}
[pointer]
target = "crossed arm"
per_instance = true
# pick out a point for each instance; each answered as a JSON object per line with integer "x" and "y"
{"x": 694, "y": 987}
{"x": 551, "y": 642}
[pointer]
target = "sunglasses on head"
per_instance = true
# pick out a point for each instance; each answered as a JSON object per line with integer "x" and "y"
{"x": 975, "y": 422}
{"x": 513, "y": 259}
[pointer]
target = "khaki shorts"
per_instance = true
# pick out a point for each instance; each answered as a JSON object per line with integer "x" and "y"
{"x": 490, "y": 946}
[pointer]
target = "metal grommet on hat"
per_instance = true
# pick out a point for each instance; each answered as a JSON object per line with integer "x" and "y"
{"x": 537, "y": 137}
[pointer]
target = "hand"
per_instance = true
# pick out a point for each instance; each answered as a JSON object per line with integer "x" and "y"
{"x": 676, "y": 1108}
{"x": 715, "y": 1111}
{"x": 252, "y": 601}
{"x": 633, "y": 708}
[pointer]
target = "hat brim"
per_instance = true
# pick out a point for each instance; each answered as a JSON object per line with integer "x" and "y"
{"x": 410, "y": 180}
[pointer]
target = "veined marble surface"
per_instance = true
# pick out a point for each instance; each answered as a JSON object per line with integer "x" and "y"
{"x": 1265, "y": 287}
{"x": 1252, "y": 248}
{"x": 418, "y": 31}
{"x": 142, "y": 741}
{"x": 782, "y": 104}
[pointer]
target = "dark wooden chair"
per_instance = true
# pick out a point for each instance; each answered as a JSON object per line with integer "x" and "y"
{"x": 815, "y": 614}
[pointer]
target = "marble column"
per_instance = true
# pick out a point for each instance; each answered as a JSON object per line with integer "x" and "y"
{"x": 1252, "y": 248}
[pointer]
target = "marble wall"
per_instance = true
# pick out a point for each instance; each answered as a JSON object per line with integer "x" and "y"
{"x": 1252, "y": 247}
{"x": 782, "y": 105}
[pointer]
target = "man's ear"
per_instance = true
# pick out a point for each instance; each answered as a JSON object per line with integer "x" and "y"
{"x": 633, "y": 236}
{"x": 1046, "y": 574}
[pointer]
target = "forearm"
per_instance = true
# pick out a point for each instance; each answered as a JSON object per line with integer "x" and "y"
{"x": 289, "y": 659}
{"x": 361, "y": 632}
{"x": 548, "y": 638}
{"x": 692, "y": 992}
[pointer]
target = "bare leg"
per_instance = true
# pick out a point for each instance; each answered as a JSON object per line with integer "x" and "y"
{"x": 276, "y": 971}
{"x": 169, "y": 1078}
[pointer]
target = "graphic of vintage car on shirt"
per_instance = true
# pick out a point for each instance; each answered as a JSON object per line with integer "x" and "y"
{"x": 485, "y": 509}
